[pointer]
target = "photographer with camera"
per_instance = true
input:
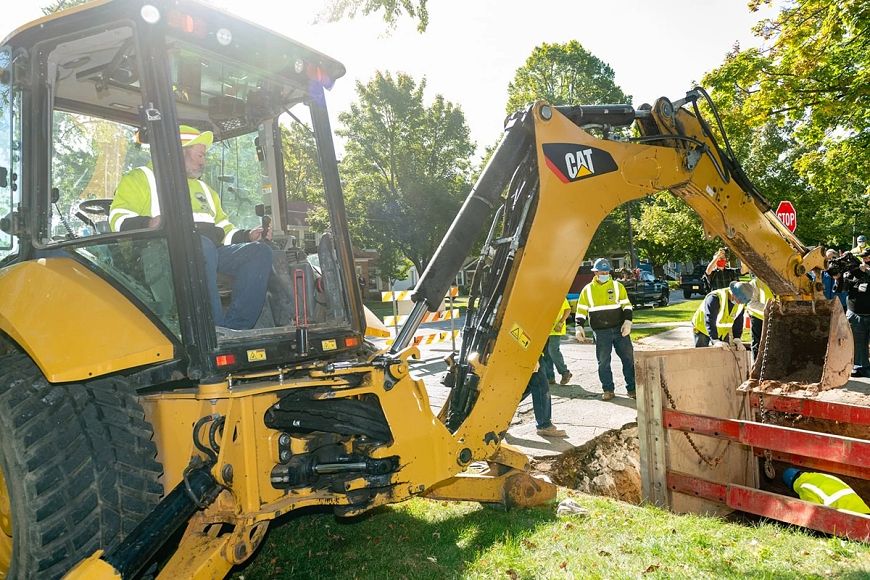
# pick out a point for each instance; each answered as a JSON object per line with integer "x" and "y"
{"x": 852, "y": 276}
{"x": 719, "y": 275}
{"x": 828, "y": 280}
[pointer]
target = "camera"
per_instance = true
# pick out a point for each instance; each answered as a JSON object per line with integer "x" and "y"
{"x": 842, "y": 264}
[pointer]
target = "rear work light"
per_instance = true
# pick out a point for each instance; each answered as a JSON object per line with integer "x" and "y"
{"x": 225, "y": 360}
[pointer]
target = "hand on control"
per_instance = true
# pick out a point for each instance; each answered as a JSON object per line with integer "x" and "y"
{"x": 626, "y": 328}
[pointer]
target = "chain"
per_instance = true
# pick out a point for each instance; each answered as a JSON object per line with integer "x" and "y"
{"x": 768, "y": 321}
{"x": 711, "y": 462}
{"x": 769, "y": 471}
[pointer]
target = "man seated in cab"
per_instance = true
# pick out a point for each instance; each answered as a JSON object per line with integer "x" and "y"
{"x": 226, "y": 249}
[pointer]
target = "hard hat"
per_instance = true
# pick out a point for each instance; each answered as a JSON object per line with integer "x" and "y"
{"x": 193, "y": 136}
{"x": 601, "y": 265}
{"x": 790, "y": 475}
{"x": 742, "y": 292}
{"x": 861, "y": 239}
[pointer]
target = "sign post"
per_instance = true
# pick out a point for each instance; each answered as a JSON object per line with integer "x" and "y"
{"x": 787, "y": 215}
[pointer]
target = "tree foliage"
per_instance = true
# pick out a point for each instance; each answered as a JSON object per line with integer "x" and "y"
{"x": 669, "y": 230}
{"x": 406, "y": 169}
{"x": 798, "y": 109}
{"x": 391, "y": 10}
{"x": 301, "y": 167}
{"x": 563, "y": 74}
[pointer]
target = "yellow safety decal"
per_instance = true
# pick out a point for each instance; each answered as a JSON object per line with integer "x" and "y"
{"x": 520, "y": 336}
{"x": 328, "y": 344}
{"x": 257, "y": 354}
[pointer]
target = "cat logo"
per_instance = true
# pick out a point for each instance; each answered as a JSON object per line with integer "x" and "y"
{"x": 571, "y": 162}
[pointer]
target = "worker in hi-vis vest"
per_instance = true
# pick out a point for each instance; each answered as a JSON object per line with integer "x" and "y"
{"x": 824, "y": 489}
{"x": 226, "y": 249}
{"x": 605, "y": 303}
{"x": 719, "y": 318}
{"x": 755, "y": 308}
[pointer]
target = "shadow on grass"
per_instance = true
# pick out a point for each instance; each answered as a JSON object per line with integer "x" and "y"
{"x": 389, "y": 542}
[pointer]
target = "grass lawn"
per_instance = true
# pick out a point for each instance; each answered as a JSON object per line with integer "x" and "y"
{"x": 680, "y": 312}
{"x": 423, "y": 539}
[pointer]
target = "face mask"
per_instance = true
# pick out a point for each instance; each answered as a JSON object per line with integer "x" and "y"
{"x": 720, "y": 263}
{"x": 603, "y": 278}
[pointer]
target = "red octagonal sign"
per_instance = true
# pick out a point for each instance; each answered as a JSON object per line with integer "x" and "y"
{"x": 787, "y": 215}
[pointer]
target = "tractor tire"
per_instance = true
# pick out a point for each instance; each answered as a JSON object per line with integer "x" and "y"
{"x": 79, "y": 468}
{"x": 665, "y": 298}
{"x": 687, "y": 294}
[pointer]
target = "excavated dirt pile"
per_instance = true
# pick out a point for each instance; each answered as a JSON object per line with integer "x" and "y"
{"x": 608, "y": 465}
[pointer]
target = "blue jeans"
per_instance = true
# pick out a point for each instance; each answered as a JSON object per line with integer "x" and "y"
{"x": 607, "y": 339}
{"x": 250, "y": 266}
{"x": 553, "y": 356}
{"x": 860, "y": 324}
{"x": 539, "y": 388}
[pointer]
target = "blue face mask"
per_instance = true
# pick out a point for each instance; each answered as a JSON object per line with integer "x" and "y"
{"x": 603, "y": 278}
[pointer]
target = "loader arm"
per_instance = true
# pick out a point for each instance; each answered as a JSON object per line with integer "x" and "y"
{"x": 551, "y": 183}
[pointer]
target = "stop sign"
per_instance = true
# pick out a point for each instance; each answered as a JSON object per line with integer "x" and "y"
{"x": 787, "y": 215}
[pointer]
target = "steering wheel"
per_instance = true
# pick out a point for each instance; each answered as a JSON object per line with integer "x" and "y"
{"x": 98, "y": 207}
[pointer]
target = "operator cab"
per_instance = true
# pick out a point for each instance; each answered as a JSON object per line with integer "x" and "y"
{"x": 116, "y": 96}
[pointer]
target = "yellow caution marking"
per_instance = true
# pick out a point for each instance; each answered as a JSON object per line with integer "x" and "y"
{"x": 328, "y": 344}
{"x": 256, "y": 355}
{"x": 520, "y": 336}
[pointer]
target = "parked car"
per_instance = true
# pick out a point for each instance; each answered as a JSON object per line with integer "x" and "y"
{"x": 647, "y": 289}
{"x": 695, "y": 282}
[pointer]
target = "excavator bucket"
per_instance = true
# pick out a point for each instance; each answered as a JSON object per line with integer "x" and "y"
{"x": 804, "y": 345}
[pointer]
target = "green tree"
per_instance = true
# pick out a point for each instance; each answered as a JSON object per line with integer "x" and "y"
{"x": 669, "y": 230}
{"x": 301, "y": 169}
{"x": 800, "y": 107}
{"x": 392, "y": 10}
{"x": 406, "y": 169}
{"x": 568, "y": 74}
{"x": 563, "y": 74}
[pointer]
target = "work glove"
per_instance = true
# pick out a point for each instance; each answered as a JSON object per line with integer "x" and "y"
{"x": 716, "y": 343}
{"x": 580, "y": 334}
{"x": 626, "y": 328}
{"x": 737, "y": 344}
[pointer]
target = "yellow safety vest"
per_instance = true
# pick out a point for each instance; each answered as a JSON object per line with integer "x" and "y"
{"x": 560, "y": 321}
{"x": 724, "y": 318}
{"x": 829, "y": 491}
{"x": 604, "y": 304}
{"x": 137, "y": 196}
{"x": 762, "y": 296}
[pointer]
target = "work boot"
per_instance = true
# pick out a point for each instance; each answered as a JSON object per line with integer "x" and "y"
{"x": 552, "y": 431}
{"x": 607, "y": 395}
{"x": 565, "y": 378}
{"x": 632, "y": 394}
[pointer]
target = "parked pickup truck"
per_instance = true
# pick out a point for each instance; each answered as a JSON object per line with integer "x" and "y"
{"x": 695, "y": 282}
{"x": 647, "y": 289}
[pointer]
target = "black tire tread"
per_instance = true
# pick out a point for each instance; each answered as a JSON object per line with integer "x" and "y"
{"x": 83, "y": 464}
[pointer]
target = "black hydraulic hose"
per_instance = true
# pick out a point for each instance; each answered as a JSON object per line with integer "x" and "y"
{"x": 198, "y": 488}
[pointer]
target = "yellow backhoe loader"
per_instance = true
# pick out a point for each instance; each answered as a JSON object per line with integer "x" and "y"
{"x": 136, "y": 437}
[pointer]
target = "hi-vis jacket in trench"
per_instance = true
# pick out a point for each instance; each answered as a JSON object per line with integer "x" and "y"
{"x": 605, "y": 305}
{"x": 717, "y": 317}
{"x": 829, "y": 491}
{"x": 136, "y": 197}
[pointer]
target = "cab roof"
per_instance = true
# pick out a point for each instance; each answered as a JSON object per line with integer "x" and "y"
{"x": 93, "y": 14}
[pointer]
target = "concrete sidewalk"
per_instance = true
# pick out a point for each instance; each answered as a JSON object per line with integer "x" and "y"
{"x": 577, "y": 407}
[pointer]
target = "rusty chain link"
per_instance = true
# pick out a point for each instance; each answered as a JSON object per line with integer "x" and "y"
{"x": 711, "y": 463}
